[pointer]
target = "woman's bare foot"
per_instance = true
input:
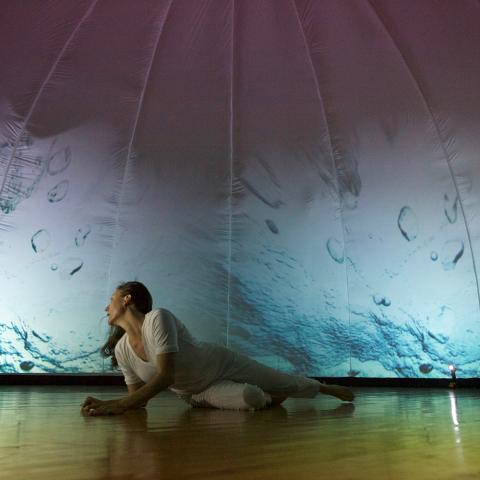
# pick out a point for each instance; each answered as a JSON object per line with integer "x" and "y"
{"x": 343, "y": 393}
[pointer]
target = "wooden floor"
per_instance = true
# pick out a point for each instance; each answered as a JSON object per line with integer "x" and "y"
{"x": 389, "y": 434}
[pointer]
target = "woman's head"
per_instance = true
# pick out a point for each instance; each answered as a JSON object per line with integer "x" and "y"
{"x": 127, "y": 296}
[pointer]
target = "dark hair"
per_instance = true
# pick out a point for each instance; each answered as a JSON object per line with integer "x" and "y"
{"x": 142, "y": 300}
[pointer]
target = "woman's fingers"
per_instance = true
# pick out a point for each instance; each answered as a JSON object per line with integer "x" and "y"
{"x": 104, "y": 409}
{"x": 91, "y": 403}
{"x": 89, "y": 400}
{"x": 95, "y": 407}
{"x": 91, "y": 409}
{"x": 97, "y": 411}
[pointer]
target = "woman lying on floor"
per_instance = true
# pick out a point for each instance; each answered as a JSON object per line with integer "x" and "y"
{"x": 155, "y": 351}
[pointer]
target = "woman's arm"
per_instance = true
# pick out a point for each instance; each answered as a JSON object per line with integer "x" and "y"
{"x": 134, "y": 387}
{"x": 139, "y": 393}
{"x": 161, "y": 381}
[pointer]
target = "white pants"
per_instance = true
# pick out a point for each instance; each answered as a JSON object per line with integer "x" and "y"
{"x": 246, "y": 384}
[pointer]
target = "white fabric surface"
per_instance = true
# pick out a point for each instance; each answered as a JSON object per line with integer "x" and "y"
{"x": 228, "y": 395}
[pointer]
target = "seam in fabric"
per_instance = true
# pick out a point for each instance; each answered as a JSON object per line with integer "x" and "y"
{"x": 334, "y": 168}
{"x": 230, "y": 198}
{"x": 130, "y": 144}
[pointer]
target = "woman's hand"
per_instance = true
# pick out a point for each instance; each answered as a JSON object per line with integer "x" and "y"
{"x": 94, "y": 407}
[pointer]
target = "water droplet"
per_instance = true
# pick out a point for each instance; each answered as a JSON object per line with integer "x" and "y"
{"x": 381, "y": 300}
{"x": 407, "y": 223}
{"x": 70, "y": 267}
{"x": 434, "y": 256}
{"x": 273, "y": 228}
{"x": 40, "y": 241}
{"x": 425, "y": 368}
{"x": 54, "y": 267}
{"x": 59, "y": 161}
{"x": 450, "y": 208}
{"x": 335, "y": 249}
{"x": 44, "y": 338}
{"x": 58, "y": 192}
{"x": 270, "y": 202}
{"x": 26, "y": 366}
{"x": 452, "y": 252}
{"x": 82, "y": 234}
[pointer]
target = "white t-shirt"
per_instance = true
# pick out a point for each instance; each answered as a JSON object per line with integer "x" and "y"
{"x": 197, "y": 364}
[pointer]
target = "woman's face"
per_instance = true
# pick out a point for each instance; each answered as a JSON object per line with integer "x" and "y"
{"x": 115, "y": 308}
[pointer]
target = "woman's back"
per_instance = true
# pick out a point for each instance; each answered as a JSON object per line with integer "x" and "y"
{"x": 197, "y": 363}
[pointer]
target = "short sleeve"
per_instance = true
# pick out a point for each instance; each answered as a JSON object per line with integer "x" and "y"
{"x": 128, "y": 374}
{"x": 164, "y": 332}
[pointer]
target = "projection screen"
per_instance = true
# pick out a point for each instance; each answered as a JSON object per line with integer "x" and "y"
{"x": 297, "y": 180}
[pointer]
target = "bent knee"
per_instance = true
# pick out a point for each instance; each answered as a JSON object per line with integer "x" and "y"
{"x": 254, "y": 397}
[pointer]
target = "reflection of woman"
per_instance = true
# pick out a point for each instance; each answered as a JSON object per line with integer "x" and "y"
{"x": 155, "y": 351}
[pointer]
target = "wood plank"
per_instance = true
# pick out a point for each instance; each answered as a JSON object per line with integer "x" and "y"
{"x": 388, "y": 434}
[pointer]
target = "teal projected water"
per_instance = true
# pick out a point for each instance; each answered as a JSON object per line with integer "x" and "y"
{"x": 287, "y": 291}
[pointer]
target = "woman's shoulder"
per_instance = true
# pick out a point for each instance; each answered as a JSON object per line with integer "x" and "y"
{"x": 158, "y": 313}
{"x": 153, "y": 313}
{"x": 160, "y": 320}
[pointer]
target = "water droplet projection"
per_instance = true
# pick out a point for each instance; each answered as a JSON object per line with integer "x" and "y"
{"x": 71, "y": 267}
{"x": 451, "y": 208}
{"x": 452, "y": 252}
{"x": 58, "y": 192}
{"x": 272, "y": 227}
{"x": 408, "y": 224}
{"x": 82, "y": 234}
{"x": 380, "y": 300}
{"x": 59, "y": 160}
{"x": 335, "y": 250}
{"x": 40, "y": 241}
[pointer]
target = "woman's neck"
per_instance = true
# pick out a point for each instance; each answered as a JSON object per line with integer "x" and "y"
{"x": 132, "y": 323}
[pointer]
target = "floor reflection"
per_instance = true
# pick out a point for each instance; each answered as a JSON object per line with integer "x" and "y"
{"x": 414, "y": 434}
{"x": 144, "y": 443}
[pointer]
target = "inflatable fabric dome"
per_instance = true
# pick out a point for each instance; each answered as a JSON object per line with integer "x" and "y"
{"x": 295, "y": 179}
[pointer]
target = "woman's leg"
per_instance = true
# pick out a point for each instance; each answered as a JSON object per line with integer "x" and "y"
{"x": 280, "y": 385}
{"x": 230, "y": 395}
{"x": 342, "y": 393}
